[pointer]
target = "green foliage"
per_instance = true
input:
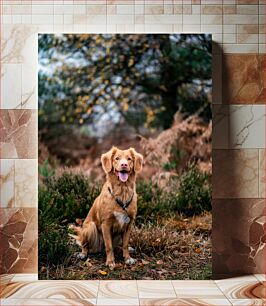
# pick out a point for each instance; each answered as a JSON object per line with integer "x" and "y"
{"x": 69, "y": 196}
{"x": 45, "y": 171}
{"x": 145, "y": 78}
{"x": 61, "y": 200}
{"x": 194, "y": 192}
{"x": 190, "y": 195}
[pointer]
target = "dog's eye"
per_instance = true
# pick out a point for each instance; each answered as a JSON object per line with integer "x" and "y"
{"x": 117, "y": 158}
{"x": 129, "y": 158}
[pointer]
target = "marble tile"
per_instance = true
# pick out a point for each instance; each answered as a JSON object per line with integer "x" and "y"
{"x": 247, "y": 126}
{"x": 262, "y": 176}
{"x": 18, "y": 129}
{"x": 26, "y": 182}
{"x": 235, "y": 173}
{"x": 7, "y": 183}
{"x": 155, "y": 289}
{"x": 220, "y": 131}
{"x": 243, "y": 78}
{"x": 25, "y": 277}
{"x": 117, "y": 302}
{"x": 29, "y": 86}
{"x": 18, "y": 233}
{"x": 11, "y": 82}
{"x": 51, "y": 290}
{"x": 238, "y": 237}
{"x": 184, "y": 302}
{"x": 19, "y": 44}
{"x": 118, "y": 290}
{"x": 49, "y": 302}
{"x": 242, "y": 287}
{"x": 197, "y": 289}
{"x": 5, "y": 279}
{"x": 248, "y": 302}
{"x": 260, "y": 277}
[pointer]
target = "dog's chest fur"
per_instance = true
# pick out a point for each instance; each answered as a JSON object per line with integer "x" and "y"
{"x": 121, "y": 218}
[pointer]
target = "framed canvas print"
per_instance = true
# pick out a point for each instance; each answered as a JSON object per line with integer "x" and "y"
{"x": 125, "y": 127}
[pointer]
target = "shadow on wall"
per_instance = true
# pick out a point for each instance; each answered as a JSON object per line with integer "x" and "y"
{"x": 239, "y": 217}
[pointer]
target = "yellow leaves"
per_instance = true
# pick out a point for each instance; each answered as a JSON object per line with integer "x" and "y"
{"x": 131, "y": 62}
{"x": 81, "y": 121}
{"x": 102, "y": 272}
{"x": 197, "y": 250}
{"x": 125, "y": 107}
{"x": 87, "y": 263}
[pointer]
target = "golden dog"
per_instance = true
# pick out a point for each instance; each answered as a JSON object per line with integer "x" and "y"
{"x": 114, "y": 210}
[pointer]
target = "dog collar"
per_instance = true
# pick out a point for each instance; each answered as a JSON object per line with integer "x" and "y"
{"x": 119, "y": 201}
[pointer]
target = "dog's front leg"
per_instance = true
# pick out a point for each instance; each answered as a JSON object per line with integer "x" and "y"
{"x": 107, "y": 237}
{"x": 128, "y": 260}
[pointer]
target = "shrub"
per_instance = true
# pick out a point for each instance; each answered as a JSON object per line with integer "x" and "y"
{"x": 194, "y": 195}
{"x": 190, "y": 195}
{"x": 64, "y": 198}
{"x": 61, "y": 200}
{"x": 68, "y": 196}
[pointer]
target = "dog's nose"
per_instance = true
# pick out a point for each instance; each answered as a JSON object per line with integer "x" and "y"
{"x": 124, "y": 165}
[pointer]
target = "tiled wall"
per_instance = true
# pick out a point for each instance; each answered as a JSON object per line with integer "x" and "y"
{"x": 238, "y": 29}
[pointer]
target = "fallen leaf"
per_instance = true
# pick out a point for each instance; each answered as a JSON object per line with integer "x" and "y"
{"x": 198, "y": 250}
{"x": 102, "y": 272}
{"x": 145, "y": 262}
{"x": 159, "y": 262}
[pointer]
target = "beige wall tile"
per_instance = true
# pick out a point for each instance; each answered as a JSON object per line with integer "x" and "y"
{"x": 158, "y": 28}
{"x": 42, "y": 9}
{"x": 262, "y": 173}
{"x": 240, "y": 19}
{"x": 212, "y": 9}
{"x": 125, "y": 9}
{"x": 191, "y": 19}
{"x": 163, "y": 19}
{"x": 240, "y": 48}
{"x": 29, "y": 81}
{"x": 247, "y": 28}
{"x": 229, "y": 29}
{"x": 21, "y": 9}
{"x": 154, "y": 9}
{"x": 229, "y": 9}
{"x": 111, "y": 10}
{"x": 211, "y": 19}
{"x": 120, "y": 19}
{"x": 247, "y": 126}
{"x": 7, "y": 183}
{"x": 247, "y": 9}
{"x": 246, "y": 38}
{"x": 235, "y": 173}
{"x": 229, "y": 38}
{"x": 10, "y": 83}
{"x": 208, "y": 28}
{"x": 26, "y": 182}
{"x": 96, "y": 9}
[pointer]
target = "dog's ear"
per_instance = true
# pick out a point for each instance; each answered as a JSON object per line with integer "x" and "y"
{"x": 107, "y": 158}
{"x": 138, "y": 160}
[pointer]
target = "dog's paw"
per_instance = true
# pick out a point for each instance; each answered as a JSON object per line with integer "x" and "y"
{"x": 131, "y": 250}
{"x": 110, "y": 264}
{"x": 130, "y": 261}
{"x": 81, "y": 256}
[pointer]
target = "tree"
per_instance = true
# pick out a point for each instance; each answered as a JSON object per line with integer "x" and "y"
{"x": 138, "y": 78}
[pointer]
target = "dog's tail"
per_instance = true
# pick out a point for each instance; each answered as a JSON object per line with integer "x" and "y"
{"x": 88, "y": 235}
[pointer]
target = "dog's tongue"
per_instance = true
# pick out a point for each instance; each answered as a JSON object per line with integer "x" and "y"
{"x": 123, "y": 176}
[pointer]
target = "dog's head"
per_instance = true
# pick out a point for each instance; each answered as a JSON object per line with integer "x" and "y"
{"x": 122, "y": 162}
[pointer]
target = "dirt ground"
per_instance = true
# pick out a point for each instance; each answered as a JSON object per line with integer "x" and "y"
{"x": 174, "y": 249}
